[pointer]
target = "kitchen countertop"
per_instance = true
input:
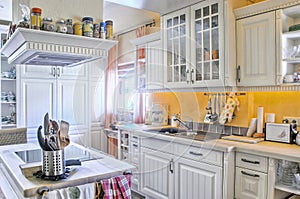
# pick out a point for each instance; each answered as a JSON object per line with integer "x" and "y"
{"x": 275, "y": 150}
{"x": 89, "y": 171}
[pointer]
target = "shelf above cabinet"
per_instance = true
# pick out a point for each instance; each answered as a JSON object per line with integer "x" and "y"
{"x": 292, "y": 60}
{"x": 7, "y": 79}
{"x": 291, "y": 35}
{"x": 34, "y": 47}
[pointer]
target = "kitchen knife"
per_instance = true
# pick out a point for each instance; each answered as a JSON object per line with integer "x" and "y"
{"x": 46, "y": 124}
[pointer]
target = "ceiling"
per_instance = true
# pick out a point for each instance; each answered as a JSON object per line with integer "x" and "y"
{"x": 5, "y": 10}
{"x": 158, "y": 6}
{"x": 126, "y": 18}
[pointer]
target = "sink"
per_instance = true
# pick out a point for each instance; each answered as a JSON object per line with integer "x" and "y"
{"x": 183, "y": 133}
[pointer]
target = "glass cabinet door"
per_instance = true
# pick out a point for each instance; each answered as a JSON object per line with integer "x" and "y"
{"x": 206, "y": 32}
{"x": 176, "y": 26}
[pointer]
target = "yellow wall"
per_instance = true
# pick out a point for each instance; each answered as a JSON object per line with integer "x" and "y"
{"x": 191, "y": 104}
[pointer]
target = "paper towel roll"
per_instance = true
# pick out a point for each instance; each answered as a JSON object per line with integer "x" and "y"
{"x": 260, "y": 119}
{"x": 252, "y": 127}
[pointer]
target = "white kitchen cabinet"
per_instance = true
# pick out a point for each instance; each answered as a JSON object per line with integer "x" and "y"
{"x": 198, "y": 45}
{"x": 47, "y": 90}
{"x": 149, "y": 63}
{"x": 194, "y": 179}
{"x": 256, "y": 50}
{"x": 157, "y": 174}
{"x": 251, "y": 177}
{"x": 8, "y": 90}
{"x": 176, "y": 35}
{"x": 207, "y": 44}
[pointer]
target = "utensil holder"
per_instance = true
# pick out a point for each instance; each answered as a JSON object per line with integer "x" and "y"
{"x": 53, "y": 163}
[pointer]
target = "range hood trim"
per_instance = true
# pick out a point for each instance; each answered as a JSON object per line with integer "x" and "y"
{"x": 27, "y": 44}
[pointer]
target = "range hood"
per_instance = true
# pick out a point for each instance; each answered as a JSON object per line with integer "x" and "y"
{"x": 36, "y": 47}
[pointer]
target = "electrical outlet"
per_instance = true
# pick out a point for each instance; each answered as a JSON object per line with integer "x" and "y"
{"x": 290, "y": 118}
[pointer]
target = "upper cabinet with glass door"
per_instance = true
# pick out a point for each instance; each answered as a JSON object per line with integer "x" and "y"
{"x": 194, "y": 46}
{"x": 176, "y": 44}
{"x": 207, "y": 38}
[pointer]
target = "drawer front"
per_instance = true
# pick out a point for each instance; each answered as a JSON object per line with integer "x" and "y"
{"x": 250, "y": 184}
{"x": 157, "y": 144}
{"x": 135, "y": 153}
{"x": 199, "y": 154}
{"x": 254, "y": 162}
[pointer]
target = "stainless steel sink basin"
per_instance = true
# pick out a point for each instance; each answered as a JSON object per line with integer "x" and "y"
{"x": 183, "y": 133}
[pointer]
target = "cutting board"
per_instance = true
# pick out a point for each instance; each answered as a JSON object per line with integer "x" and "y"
{"x": 245, "y": 139}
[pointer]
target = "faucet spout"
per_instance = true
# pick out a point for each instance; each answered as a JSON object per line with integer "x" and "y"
{"x": 188, "y": 126}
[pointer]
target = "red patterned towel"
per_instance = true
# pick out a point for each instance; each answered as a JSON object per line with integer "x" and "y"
{"x": 124, "y": 183}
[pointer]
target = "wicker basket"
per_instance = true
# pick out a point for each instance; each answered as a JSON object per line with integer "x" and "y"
{"x": 13, "y": 136}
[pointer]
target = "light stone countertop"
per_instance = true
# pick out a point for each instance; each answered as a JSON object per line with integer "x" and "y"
{"x": 274, "y": 150}
{"x": 90, "y": 171}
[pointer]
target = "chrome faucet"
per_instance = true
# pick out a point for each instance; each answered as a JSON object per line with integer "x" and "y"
{"x": 188, "y": 125}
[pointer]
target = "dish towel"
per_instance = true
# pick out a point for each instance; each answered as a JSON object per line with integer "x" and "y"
{"x": 78, "y": 192}
{"x": 114, "y": 188}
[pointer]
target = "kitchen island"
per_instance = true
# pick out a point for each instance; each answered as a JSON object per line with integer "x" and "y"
{"x": 18, "y": 168}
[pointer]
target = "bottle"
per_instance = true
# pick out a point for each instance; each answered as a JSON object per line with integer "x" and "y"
{"x": 47, "y": 24}
{"x": 174, "y": 122}
{"x": 61, "y": 27}
{"x": 36, "y": 18}
{"x": 109, "y": 29}
{"x": 96, "y": 31}
{"x": 102, "y": 30}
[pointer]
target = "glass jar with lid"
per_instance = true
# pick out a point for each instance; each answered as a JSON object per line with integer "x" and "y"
{"x": 36, "y": 18}
{"x": 47, "y": 24}
{"x": 77, "y": 28}
{"x": 87, "y": 26}
{"x": 61, "y": 27}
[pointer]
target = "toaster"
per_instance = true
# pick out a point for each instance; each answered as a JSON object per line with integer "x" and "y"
{"x": 278, "y": 132}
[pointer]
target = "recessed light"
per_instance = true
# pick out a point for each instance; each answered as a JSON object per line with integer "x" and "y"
{"x": 1, "y": 6}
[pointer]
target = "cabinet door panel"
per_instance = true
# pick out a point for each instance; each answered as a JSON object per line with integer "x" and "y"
{"x": 37, "y": 97}
{"x": 156, "y": 180}
{"x": 194, "y": 179}
{"x": 250, "y": 184}
{"x": 31, "y": 71}
{"x": 256, "y": 50}
{"x": 72, "y": 103}
{"x": 154, "y": 65}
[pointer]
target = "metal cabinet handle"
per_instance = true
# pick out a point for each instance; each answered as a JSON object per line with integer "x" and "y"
{"x": 58, "y": 72}
{"x": 250, "y": 161}
{"x": 54, "y": 71}
{"x": 135, "y": 145}
{"x": 191, "y": 77}
{"x": 238, "y": 73}
{"x": 171, "y": 166}
{"x": 249, "y": 174}
{"x": 187, "y": 79}
{"x": 195, "y": 153}
{"x": 134, "y": 137}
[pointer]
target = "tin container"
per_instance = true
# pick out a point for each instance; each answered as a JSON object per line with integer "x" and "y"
{"x": 53, "y": 163}
{"x": 87, "y": 26}
{"x": 69, "y": 26}
{"x": 61, "y": 27}
{"x": 109, "y": 29}
{"x": 77, "y": 28}
{"x": 36, "y": 18}
{"x": 47, "y": 24}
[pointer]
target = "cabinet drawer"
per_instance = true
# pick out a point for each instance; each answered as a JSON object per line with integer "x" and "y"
{"x": 254, "y": 162}
{"x": 199, "y": 154}
{"x": 250, "y": 184}
{"x": 157, "y": 145}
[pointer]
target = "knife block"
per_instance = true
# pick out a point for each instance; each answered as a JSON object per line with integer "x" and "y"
{"x": 53, "y": 163}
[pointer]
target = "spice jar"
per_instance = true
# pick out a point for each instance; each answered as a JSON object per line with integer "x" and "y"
{"x": 87, "y": 26}
{"x": 96, "y": 31}
{"x": 109, "y": 29}
{"x": 47, "y": 24}
{"x": 61, "y": 27}
{"x": 77, "y": 28}
{"x": 102, "y": 30}
{"x": 36, "y": 18}
{"x": 69, "y": 26}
